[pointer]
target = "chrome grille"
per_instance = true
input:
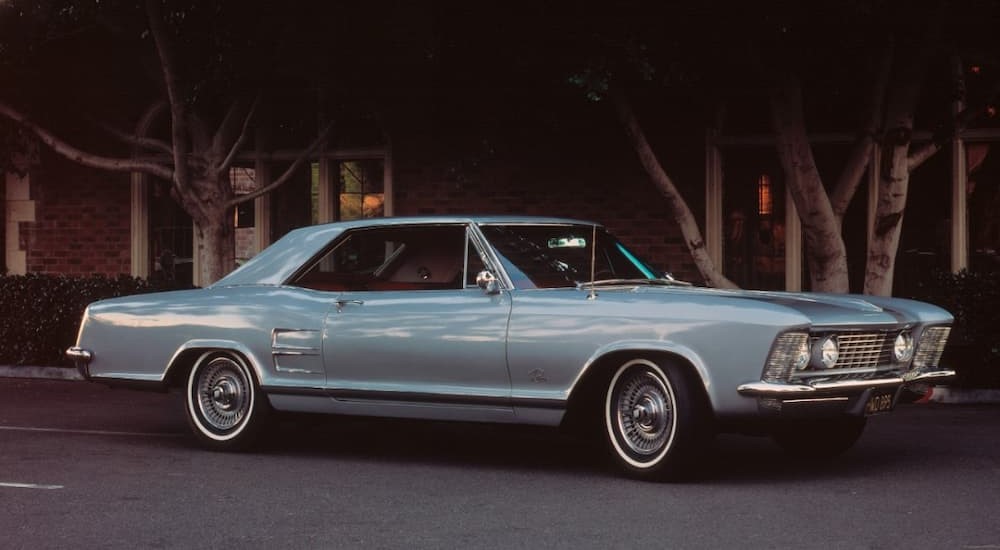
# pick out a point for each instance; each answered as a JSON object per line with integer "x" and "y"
{"x": 863, "y": 350}
{"x": 863, "y": 356}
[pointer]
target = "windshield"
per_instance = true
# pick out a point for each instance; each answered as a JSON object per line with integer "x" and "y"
{"x": 552, "y": 256}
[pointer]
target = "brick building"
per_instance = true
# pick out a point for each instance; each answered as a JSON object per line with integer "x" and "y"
{"x": 59, "y": 217}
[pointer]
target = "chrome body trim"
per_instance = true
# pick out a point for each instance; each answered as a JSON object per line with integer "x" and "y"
{"x": 81, "y": 358}
{"x": 79, "y": 355}
{"x": 778, "y": 390}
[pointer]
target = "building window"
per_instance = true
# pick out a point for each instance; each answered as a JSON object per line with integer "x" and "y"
{"x": 983, "y": 192}
{"x": 754, "y": 219}
{"x": 361, "y": 189}
{"x": 244, "y": 181}
{"x": 924, "y": 240}
{"x": 338, "y": 186}
{"x": 171, "y": 244}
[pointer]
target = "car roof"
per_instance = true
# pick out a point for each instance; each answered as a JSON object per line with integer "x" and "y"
{"x": 447, "y": 219}
{"x": 276, "y": 263}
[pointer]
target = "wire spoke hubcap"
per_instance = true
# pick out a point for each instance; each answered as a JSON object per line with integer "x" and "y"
{"x": 644, "y": 411}
{"x": 223, "y": 395}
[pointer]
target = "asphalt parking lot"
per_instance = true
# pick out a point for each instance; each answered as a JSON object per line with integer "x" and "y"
{"x": 85, "y": 466}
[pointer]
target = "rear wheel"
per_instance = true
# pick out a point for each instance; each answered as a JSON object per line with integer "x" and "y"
{"x": 652, "y": 419}
{"x": 223, "y": 403}
{"x": 820, "y": 438}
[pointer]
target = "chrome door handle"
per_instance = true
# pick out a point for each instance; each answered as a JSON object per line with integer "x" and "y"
{"x": 342, "y": 303}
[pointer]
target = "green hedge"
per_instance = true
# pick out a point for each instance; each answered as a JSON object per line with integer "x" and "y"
{"x": 40, "y": 314}
{"x": 973, "y": 297}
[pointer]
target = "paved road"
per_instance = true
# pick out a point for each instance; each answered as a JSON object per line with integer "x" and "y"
{"x": 83, "y": 466}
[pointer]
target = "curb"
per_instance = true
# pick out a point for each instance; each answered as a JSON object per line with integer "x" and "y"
{"x": 47, "y": 373}
{"x": 962, "y": 396}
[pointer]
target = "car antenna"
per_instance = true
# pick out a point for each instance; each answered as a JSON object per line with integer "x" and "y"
{"x": 593, "y": 261}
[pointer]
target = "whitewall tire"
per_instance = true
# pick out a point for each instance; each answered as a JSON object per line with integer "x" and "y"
{"x": 225, "y": 409}
{"x": 652, "y": 420}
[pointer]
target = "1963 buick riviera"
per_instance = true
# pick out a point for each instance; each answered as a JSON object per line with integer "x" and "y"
{"x": 519, "y": 320}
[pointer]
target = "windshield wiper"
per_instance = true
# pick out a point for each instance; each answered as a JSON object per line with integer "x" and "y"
{"x": 633, "y": 282}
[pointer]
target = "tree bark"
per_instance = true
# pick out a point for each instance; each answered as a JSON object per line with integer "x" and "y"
{"x": 860, "y": 156}
{"x": 894, "y": 180}
{"x": 216, "y": 248}
{"x": 678, "y": 206}
{"x": 826, "y": 253}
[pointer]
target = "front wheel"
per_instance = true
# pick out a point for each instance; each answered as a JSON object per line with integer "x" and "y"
{"x": 224, "y": 407}
{"x": 653, "y": 422}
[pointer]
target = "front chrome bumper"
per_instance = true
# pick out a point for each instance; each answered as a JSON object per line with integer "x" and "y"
{"x": 818, "y": 389}
{"x": 81, "y": 358}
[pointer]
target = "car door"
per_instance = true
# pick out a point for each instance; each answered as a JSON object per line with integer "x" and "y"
{"x": 413, "y": 327}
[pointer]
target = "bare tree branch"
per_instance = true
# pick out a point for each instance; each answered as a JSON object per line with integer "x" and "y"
{"x": 681, "y": 212}
{"x": 241, "y": 140}
{"x": 81, "y": 157}
{"x": 178, "y": 115}
{"x": 960, "y": 122}
{"x": 142, "y": 142}
{"x": 302, "y": 159}
{"x": 943, "y": 136}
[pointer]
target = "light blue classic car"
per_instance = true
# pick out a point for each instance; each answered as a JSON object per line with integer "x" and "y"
{"x": 524, "y": 320}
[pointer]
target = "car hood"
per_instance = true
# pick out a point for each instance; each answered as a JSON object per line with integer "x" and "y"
{"x": 833, "y": 310}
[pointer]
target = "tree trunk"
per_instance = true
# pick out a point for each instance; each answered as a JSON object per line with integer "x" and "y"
{"x": 216, "y": 252}
{"x": 678, "y": 207}
{"x": 892, "y": 188}
{"x": 894, "y": 180}
{"x": 825, "y": 250}
{"x": 208, "y": 202}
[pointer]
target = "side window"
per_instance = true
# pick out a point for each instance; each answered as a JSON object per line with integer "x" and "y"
{"x": 392, "y": 258}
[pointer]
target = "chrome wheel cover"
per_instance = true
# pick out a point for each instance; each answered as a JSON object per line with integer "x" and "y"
{"x": 223, "y": 394}
{"x": 640, "y": 409}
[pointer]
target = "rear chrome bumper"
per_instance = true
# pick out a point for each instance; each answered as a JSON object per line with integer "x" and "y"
{"x": 81, "y": 358}
{"x": 844, "y": 387}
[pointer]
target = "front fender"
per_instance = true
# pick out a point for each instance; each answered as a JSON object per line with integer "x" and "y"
{"x": 640, "y": 347}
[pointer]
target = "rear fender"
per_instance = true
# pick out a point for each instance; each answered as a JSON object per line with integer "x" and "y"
{"x": 188, "y": 353}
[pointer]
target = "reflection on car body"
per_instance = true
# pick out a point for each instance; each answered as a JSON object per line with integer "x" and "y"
{"x": 525, "y": 320}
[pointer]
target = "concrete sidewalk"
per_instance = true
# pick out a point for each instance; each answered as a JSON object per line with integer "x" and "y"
{"x": 939, "y": 394}
{"x": 48, "y": 373}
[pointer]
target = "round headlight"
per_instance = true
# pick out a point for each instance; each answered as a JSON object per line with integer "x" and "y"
{"x": 827, "y": 351}
{"x": 902, "y": 348}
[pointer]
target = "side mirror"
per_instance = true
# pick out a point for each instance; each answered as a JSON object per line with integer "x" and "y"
{"x": 488, "y": 282}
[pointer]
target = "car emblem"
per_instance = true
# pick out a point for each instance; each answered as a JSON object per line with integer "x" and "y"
{"x": 538, "y": 375}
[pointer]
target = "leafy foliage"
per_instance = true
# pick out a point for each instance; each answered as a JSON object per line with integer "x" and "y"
{"x": 41, "y": 313}
{"x": 973, "y": 297}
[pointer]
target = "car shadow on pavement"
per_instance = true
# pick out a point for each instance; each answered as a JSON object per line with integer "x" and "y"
{"x": 729, "y": 459}
{"x": 447, "y": 443}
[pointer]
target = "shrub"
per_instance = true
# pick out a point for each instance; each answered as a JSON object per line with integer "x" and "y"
{"x": 40, "y": 314}
{"x": 973, "y": 297}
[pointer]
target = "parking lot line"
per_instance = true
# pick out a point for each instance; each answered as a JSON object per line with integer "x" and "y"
{"x": 29, "y": 486}
{"x": 86, "y": 432}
